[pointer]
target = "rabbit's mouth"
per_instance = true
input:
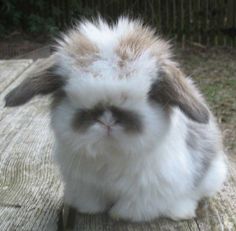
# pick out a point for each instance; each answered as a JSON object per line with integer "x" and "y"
{"x": 107, "y": 126}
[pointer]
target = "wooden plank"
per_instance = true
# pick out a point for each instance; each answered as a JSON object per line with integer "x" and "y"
{"x": 103, "y": 222}
{"x": 10, "y": 70}
{"x": 28, "y": 177}
{"x": 30, "y": 189}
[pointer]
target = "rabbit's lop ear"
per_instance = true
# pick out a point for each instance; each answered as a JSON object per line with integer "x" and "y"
{"x": 173, "y": 89}
{"x": 40, "y": 81}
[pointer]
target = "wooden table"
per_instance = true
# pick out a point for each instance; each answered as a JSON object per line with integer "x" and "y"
{"x": 30, "y": 188}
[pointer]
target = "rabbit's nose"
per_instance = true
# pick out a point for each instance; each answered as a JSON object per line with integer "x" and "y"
{"x": 107, "y": 119}
{"x": 108, "y": 127}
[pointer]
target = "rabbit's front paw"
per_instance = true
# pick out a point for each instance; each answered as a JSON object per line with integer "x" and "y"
{"x": 183, "y": 210}
{"x": 132, "y": 211}
{"x": 91, "y": 205}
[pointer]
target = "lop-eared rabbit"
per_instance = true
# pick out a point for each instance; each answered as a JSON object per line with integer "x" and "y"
{"x": 133, "y": 134}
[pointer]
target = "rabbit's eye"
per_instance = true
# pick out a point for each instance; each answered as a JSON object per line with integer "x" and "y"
{"x": 131, "y": 121}
{"x": 96, "y": 112}
{"x": 81, "y": 120}
{"x": 84, "y": 118}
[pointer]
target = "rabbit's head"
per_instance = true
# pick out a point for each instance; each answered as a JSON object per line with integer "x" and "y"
{"x": 114, "y": 87}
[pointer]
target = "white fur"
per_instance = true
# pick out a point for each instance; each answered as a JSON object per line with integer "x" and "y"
{"x": 137, "y": 177}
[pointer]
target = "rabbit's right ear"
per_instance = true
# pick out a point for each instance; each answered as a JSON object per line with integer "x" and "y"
{"x": 41, "y": 80}
{"x": 173, "y": 89}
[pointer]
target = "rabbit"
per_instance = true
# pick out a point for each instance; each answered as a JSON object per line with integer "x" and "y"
{"x": 134, "y": 136}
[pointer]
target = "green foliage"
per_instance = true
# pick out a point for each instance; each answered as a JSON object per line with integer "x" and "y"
{"x": 49, "y": 16}
{"x": 36, "y": 17}
{"x": 192, "y": 22}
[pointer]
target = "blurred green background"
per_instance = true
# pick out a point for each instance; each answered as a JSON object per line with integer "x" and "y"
{"x": 206, "y": 22}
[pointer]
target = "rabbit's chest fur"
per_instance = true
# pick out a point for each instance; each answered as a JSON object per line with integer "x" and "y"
{"x": 160, "y": 169}
{"x": 115, "y": 173}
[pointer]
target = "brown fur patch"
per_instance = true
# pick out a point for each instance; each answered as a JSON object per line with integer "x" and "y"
{"x": 80, "y": 48}
{"x": 134, "y": 43}
{"x": 57, "y": 97}
{"x": 129, "y": 120}
{"x": 173, "y": 89}
{"x": 139, "y": 40}
{"x": 202, "y": 149}
{"x": 40, "y": 80}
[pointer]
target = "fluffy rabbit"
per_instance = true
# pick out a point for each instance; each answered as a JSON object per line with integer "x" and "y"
{"x": 133, "y": 135}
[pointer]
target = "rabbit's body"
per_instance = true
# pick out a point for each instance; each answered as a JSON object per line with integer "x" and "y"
{"x": 141, "y": 183}
{"x": 133, "y": 135}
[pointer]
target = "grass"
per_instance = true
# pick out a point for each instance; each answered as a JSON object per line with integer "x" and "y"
{"x": 214, "y": 71}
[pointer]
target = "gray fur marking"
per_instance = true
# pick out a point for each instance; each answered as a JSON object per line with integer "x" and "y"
{"x": 202, "y": 149}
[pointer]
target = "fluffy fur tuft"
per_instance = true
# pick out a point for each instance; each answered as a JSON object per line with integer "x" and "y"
{"x": 133, "y": 135}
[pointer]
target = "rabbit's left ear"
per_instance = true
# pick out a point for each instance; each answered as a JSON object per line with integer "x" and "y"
{"x": 41, "y": 80}
{"x": 173, "y": 89}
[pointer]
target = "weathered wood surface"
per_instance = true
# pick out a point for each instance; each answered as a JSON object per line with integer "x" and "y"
{"x": 30, "y": 188}
{"x": 10, "y": 70}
